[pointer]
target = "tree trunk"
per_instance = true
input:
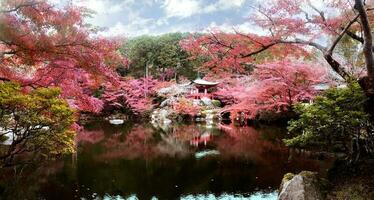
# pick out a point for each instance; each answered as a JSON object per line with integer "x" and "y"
{"x": 368, "y": 38}
{"x": 367, "y": 83}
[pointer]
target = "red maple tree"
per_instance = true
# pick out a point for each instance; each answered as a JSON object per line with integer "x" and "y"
{"x": 42, "y": 45}
{"x": 276, "y": 87}
{"x": 133, "y": 94}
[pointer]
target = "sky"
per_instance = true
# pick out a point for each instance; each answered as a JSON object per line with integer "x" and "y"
{"x": 131, "y": 18}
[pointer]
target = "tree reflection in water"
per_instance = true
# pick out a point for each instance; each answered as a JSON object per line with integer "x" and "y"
{"x": 143, "y": 162}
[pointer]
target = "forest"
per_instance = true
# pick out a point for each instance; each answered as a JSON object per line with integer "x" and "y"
{"x": 297, "y": 96}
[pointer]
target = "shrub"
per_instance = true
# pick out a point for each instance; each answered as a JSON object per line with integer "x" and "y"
{"x": 335, "y": 118}
{"x": 37, "y": 124}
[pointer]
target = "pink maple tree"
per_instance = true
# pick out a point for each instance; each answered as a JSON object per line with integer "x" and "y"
{"x": 277, "y": 87}
{"x": 290, "y": 28}
{"x": 233, "y": 53}
{"x": 293, "y": 31}
{"x": 42, "y": 45}
{"x": 233, "y": 89}
{"x": 186, "y": 107}
{"x": 130, "y": 93}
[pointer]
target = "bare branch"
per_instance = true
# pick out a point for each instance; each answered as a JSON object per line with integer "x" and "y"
{"x": 321, "y": 13}
{"x": 264, "y": 47}
{"x": 354, "y": 36}
{"x": 340, "y": 36}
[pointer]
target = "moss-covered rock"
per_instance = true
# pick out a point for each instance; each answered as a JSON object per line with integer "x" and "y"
{"x": 303, "y": 186}
{"x": 288, "y": 177}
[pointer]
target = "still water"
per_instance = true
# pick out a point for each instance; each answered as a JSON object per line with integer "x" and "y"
{"x": 186, "y": 161}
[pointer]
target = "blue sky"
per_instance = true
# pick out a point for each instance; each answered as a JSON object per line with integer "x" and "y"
{"x": 137, "y": 17}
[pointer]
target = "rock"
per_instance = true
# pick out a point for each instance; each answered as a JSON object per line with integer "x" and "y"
{"x": 206, "y": 153}
{"x": 163, "y": 114}
{"x": 160, "y": 117}
{"x": 206, "y": 101}
{"x": 116, "y": 121}
{"x": 304, "y": 186}
{"x": 198, "y": 119}
{"x": 168, "y": 102}
{"x": 167, "y": 121}
{"x": 7, "y": 136}
{"x": 196, "y": 102}
{"x": 164, "y": 103}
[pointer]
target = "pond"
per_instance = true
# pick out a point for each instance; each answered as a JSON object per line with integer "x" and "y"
{"x": 185, "y": 161}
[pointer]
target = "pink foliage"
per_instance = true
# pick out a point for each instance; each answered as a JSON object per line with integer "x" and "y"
{"x": 291, "y": 18}
{"x": 135, "y": 94}
{"x": 186, "y": 107}
{"x": 48, "y": 46}
{"x": 76, "y": 85}
{"x": 168, "y": 74}
{"x": 232, "y": 90}
{"x": 275, "y": 85}
{"x": 228, "y": 54}
{"x": 282, "y": 22}
{"x": 279, "y": 85}
{"x": 220, "y": 60}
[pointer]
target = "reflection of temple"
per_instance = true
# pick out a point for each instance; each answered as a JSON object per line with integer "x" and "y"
{"x": 202, "y": 88}
{"x": 201, "y": 139}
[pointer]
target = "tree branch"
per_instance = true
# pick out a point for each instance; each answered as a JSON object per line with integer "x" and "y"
{"x": 354, "y": 36}
{"x": 340, "y": 36}
{"x": 4, "y": 79}
{"x": 19, "y": 7}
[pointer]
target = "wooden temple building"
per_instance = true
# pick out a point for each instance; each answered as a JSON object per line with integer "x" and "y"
{"x": 202, "y": 88}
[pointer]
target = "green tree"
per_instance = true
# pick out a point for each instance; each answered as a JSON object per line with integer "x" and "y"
{"x": 163, "y": 53}
{"x": 140, "y": 50}
{"x": 36, "y": 125}
{"x": 335, "y": 119}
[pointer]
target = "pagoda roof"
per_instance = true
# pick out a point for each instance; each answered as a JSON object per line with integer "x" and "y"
{"x": 200, "y": 81}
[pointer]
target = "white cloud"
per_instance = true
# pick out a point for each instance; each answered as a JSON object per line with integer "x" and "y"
{"x": 223, "y": 5}
{"x": 225, "y": 27}
{"x": 245, "y": 27}
{"x": 185, "y": 27}
{"x": 104, "y": 6}
{"x": 187, "y": 8}
{"x": 116, "y": 30}
{"x": 137, "y": 26}
{"x": 162, "y": 21}
{"x": 248, "y": 27}
{"x": 181, "y": 8}
{"x": 132, "y": 18}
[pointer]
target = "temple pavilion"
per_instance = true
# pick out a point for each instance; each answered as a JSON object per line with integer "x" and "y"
{"x": 202, "y": 88}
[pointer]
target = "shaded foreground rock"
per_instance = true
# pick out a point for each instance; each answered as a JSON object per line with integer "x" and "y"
{"x": 303, "y": 186}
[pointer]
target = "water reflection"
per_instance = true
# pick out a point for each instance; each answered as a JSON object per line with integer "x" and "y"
{"x": 187, "y": 161}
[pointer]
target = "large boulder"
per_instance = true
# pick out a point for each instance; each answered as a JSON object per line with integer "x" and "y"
{"x": 303, "y": 186}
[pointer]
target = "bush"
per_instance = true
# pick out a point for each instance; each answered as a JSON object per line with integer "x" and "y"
{"x": 37, "y": 124}
{"x": 335, "y": 118}
{"x": 216, "y": 103}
